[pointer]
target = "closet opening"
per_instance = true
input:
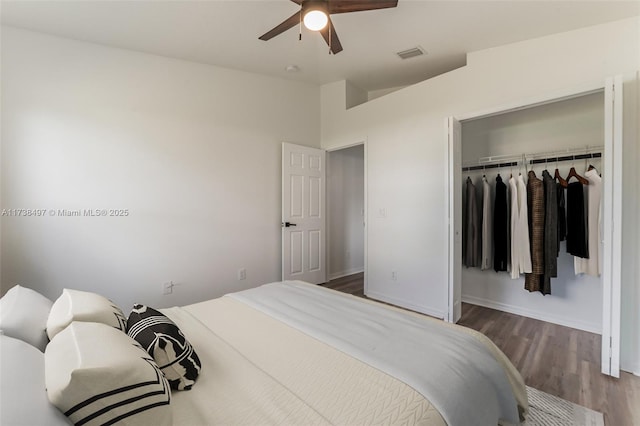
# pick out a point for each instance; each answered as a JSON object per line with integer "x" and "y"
{"x": 346, "y": 212}
{"x": 565, "y": 135}
{"x": 558, "y": 133}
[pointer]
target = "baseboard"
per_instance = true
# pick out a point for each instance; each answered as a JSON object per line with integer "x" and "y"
{"x": 336, "y": 275}
{"x": 407, "y": 305}
{"x": 630, "y": 370}
{"x": 530, "y": 313}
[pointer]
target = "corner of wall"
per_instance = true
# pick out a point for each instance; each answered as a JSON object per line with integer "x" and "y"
{"x": 354, "y": 95}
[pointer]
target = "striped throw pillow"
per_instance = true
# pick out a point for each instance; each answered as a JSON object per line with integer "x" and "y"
{"x": 97, "y": 375}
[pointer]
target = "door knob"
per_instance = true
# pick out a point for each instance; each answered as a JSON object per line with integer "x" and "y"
{"x": 288, "y": 224}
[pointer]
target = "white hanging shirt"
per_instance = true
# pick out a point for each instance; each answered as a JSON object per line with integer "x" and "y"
{"x": 592, "y": 265}
{"x": 520, "y": 250}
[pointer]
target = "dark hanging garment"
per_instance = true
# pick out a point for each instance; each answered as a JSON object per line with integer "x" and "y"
{"x": 576, "y": 221}
{"x": 500, "y": 227}
{"x": 471, "y": 235}
{"x": 550, "y": 232}
{"x": 562, "y": 218}
{"x": 535, "y": 201}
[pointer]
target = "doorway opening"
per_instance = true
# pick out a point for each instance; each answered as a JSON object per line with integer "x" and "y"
{"x": 346, "y": 212}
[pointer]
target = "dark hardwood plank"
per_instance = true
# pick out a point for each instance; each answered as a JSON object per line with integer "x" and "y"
{"x": 558, "y": 360}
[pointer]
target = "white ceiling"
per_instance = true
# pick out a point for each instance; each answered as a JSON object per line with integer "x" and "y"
{"x": 225, "y": 33}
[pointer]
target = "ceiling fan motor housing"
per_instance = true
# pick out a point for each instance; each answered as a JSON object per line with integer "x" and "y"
{"x": 309, "y": 5}
{"x": 320, "y": 9}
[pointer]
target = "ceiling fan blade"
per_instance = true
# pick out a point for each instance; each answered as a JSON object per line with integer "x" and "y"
{"x": 346, "y": 6}
{"x": 333, "y": 41}
{"x": 297, "y": 1}
{"x": 290, "y": 22}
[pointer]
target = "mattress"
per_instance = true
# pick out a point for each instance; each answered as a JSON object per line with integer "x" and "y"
{"x": 262, "y": 367}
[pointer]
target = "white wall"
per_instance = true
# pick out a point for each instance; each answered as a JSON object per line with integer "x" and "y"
{"x": 192, "y": 151}
{"x": 407, "y": 155}
{"x": 575, "y": 301}
{"x": 345, "y": 201}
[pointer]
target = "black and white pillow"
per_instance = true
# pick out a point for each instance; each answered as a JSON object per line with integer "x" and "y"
{"x": 166, "y": 343}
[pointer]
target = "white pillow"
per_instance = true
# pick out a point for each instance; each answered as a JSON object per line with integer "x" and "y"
{"x": 76, "y": 305}
{"x": 23, "y": 315}
{"x": 23, "y": 397}
{"x": 98, "y": 375}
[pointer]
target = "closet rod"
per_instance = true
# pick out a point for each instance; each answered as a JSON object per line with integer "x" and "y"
{"x": 489, "y": 166}
{"x": 552, "y": 156}
{"x": 566, "y": 158}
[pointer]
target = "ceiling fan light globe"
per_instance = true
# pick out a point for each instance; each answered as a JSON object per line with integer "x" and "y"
{"x": 315, "y": 20}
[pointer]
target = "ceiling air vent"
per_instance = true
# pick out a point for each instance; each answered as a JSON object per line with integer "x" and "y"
{"x": 410, "y": 53}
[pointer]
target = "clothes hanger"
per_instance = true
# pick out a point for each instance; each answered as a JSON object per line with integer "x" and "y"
{"x": 573, "y": 173}
{"x": 586, "y": 152}
{"x": 563, "y": 183}
{"x": 522, "y": 161}
{"x": 531, "y": 171}
{"x": 591, "y": 166}
{"x": 546, "y": 167}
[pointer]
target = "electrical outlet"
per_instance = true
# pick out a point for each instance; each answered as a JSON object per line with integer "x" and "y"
{"x": 242, "y": 274}
{"x": 167, "y": 288}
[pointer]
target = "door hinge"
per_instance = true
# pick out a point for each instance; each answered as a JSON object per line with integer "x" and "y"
{"x": 610, "y": 347}
{"x": 613, "y": 94}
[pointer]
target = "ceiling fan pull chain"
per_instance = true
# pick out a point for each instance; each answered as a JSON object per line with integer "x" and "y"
{"x": 300, "y": 27}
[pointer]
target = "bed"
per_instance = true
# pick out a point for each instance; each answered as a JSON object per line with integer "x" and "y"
{"x": 296, "y": 353}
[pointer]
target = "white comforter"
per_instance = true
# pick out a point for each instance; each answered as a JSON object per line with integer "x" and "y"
{"x": 292, "y": 353}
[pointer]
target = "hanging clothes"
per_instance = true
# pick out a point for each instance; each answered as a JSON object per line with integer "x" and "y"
{"x": 500, "y": 227}
{"x": 520, "y": 251}
{"x": 550, "y": 232}
{"x": 562, "y": 217}
{"x": 508, "y": 230}
{"x": 487, "y": 219}
{"x": 471, "y": 235}
{"x": 535, "y": 203}
{"x": 592, "y": 265}
{"x": 576, "y": 221}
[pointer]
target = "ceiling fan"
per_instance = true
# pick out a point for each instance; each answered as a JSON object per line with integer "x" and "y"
{"x": 316, "y": 16}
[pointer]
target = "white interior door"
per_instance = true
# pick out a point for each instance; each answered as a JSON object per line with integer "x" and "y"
{"x": 303, "y": 214}
{"x": 612, "y": 203}
{"x": 454, "y": 137}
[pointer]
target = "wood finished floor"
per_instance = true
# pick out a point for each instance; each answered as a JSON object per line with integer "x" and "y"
{"x": 558, "y": 360}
